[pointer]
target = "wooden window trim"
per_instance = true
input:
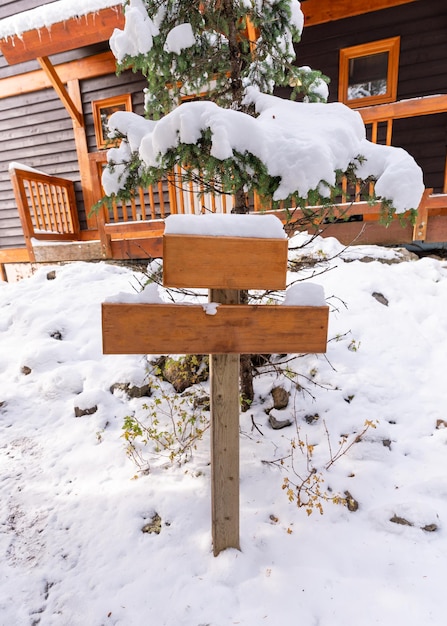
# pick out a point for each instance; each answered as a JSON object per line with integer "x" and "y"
{"x": 392, "y": 46}
{"x": 124, "y": 100}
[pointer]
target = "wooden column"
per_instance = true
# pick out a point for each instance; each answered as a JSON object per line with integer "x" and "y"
{"x": 225, "y": 407}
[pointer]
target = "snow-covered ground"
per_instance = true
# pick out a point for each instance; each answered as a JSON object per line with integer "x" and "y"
{"x": 73, "y": 505}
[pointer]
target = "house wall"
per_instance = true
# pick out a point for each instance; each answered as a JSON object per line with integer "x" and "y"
{"x": 422, "y": 26}
{"x": 36, "y": 129}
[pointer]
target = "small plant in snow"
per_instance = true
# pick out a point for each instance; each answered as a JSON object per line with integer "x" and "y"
{"x": 169, "y": 426}
{"x": 305, "y": 486}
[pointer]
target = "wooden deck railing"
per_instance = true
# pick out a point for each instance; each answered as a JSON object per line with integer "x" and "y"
{"x": 46, "y": 205}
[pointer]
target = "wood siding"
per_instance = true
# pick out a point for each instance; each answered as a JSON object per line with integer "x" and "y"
{"x": 36, "y": 130}
{"x": 422, "y": 27}
{"x": 106, "y": 87}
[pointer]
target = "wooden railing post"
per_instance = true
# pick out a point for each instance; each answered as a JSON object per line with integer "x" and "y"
{"x": 24, "y": 212}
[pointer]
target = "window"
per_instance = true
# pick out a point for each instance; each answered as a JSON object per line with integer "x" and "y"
{"x": 368, "y": 73}
{"x": 102, "y": 110}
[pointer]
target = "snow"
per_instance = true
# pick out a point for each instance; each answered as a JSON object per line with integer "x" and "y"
{"x": 73, "y": 505}
{"x": 138, "y": 33}
{"x": 225, "y": 225}
{"x": 52, "y": 13}
{"x": 315, "y": 140}
{"x": 180, "y": 38}
{"x": 305, "y": 294}
{"x": 15, "y": 165}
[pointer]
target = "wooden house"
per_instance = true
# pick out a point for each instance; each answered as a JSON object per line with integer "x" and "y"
{"x": 386, "y": 58}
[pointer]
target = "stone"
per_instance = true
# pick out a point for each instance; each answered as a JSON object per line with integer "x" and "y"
{"x": 278, "y": 424}
{"x": 430, "y": 528}
{"x": 185, "y": 371}
{"x": 310, "y": 419}
{"x": 154, "y": 526}
{"x": 380, "y": 298}
{"x": 396, "y": 519}
{"x": 351, "y": 502}
{"x": 280, "y": 398}
{"x": 81, "y": 412}
{"x": 132, "y": 391}
{"x": 26, "y": 370}
{"x": 202, "y": 402}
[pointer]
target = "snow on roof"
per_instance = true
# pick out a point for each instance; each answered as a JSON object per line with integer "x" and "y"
{"x": 49, "y": 14}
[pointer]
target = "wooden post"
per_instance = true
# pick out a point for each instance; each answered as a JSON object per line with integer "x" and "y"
{"x": 225, "y": 407}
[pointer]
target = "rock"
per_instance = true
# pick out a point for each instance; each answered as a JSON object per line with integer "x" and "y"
{"x": 441, "y": 424}
{"x": 185, "y": 371}
{"x": 310, "y": 419}
{"x": 380, "y": 298}
{"x": 132, "y": 391}
{"x": 278, "y": 424}
{"x": 56, "y": 335}
{"x": 154, "y": 526}
{"x": 51, "y": 275}
{"x": 396, "y": 519}
{"x": 351, "y": 502}
{"x": 280, "y": 398}
{"x": 201, "y": 402}
{"x": 26, "y": 370}
{"x": 430, "y": 528}
{"x": 81, "y": 412}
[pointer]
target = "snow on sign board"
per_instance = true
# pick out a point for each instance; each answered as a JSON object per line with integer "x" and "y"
{"x": 226, "y": 225}
{"x": 224, "y": 251}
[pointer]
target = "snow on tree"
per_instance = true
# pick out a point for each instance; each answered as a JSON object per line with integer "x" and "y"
{"x": 229, "y": 55}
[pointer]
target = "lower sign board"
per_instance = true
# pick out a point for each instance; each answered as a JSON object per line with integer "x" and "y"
{"x": 213, "y": 329}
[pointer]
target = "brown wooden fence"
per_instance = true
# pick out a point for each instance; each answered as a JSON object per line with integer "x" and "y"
{"x": 46, "y": 205}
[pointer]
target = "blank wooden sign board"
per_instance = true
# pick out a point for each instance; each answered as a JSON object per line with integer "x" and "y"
{"x": 224, "y": 329}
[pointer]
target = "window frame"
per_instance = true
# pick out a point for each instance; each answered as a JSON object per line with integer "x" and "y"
{"x": 392, "y": 47}
{"x": 123, "y": 102}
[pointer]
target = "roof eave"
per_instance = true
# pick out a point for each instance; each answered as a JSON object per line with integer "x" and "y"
{"x": 62, "y": 36}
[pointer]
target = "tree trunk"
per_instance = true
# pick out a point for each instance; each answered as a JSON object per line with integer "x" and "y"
{"x": 246, "y": 371}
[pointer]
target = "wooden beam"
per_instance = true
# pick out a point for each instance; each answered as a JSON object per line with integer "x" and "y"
{"x": 181, "y": 329}
{"x": 59, "y": 87}
{"x": 428, "y": 105}
{"x": 319, "y": 12}
{"x": 80, "y": 136}
{"x": 14, "y": 255}
{"x": 70, "y": 34}
{"x": 142, "y": 248}
{"x": 193, "y": 261}
{"x": 89, "y": 67}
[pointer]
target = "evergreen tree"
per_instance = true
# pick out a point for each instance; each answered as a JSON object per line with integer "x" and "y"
{"x": 211, "y": 49}
{"x": 233, "y": 53}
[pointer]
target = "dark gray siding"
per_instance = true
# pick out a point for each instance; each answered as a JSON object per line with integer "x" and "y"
{"x": 36, "y": 130}
{"x": 107, "y": 87}
{"x": 422, "y": 27}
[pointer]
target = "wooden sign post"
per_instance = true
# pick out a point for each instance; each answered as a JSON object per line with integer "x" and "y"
{"x": 225, "y": 329}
